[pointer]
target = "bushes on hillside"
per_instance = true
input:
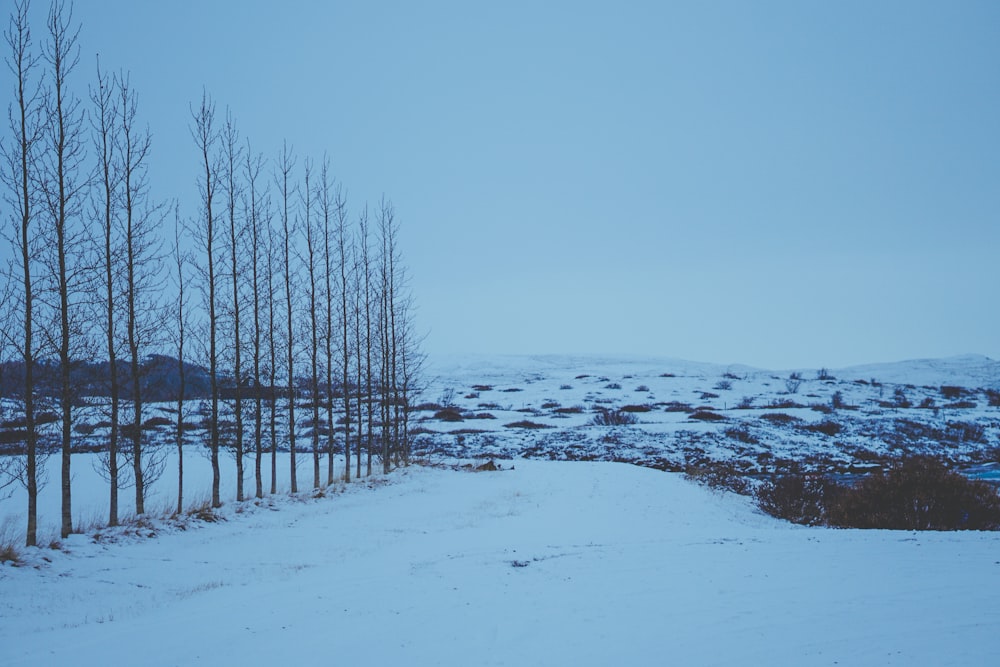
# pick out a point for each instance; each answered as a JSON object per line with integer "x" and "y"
{"x": 605, "y": 417}
{"x": 919, "y": 493}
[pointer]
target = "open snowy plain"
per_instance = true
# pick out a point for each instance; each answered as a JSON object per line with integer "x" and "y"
{"x": 542, "y": 562}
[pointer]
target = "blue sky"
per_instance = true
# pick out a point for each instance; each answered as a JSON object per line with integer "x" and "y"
{"x": 781, "y": 184}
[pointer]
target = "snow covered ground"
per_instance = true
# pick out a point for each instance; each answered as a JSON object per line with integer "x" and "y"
{"x": 551, "y": 562}
{"x": 548, "y": 563}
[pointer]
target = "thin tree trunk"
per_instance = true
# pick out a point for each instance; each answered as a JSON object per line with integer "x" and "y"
{"x": 231, "y": 157}
{"x": 26, "y": 130}
{"x": 287, "y": 163}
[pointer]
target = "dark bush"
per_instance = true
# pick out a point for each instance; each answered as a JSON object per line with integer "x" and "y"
{"x": 677, "y": 406}
{"x": 605, "y": 417}
{"x": 798, "y": 498}
{"x": 826, "y": 427}
{"x": 952, "y": 393}
{"x": 918, "y": 494}
{"x": 612, "y": 385}
{"x": 720, "y": 476}
{"x": 780, "y": 418}
{"x": 526, "y": 424}
{"x": 743, "y": 434}
{"x": 448, "y": 415}
{"x": 636, "y": 408}
{"x": 705, "y": 415}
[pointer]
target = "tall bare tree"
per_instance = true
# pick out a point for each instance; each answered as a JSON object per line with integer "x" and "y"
{"x": 366, "y": 326}
{"x": 181, "y": 261}
{"x": 141, "y": 219}
{"x": 312, "y": 238}
{"x": 286, "y": 163}
{"x": 272, "y": 347}
{"x": 20, "y": 176}
{"x": 255, "y": 222}
{"x": 205, "y": 137}
{"x": 231, "y": 159}
{"x": 104, "y": 121}
{"x": 63, "y": 187}
{"x": 329, "y": 208}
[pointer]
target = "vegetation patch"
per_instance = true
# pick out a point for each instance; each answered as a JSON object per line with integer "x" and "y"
{"x": 606, "y": 417}
{"x": 707, "y": 416}
{"x": 918, "y": 493}
{"x": 526, "y": 424}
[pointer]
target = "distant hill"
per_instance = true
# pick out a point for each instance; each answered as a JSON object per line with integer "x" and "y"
{"x": 159, "y": 377}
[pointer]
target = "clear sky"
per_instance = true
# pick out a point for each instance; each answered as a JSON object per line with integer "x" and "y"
{"x": 781, "y": 184}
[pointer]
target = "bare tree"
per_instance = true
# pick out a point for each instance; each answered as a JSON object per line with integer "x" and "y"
{"x": 254, "y": 164}
{"x": 141, "y": 219}
{"x": 312, "y": 253}
{"x": 272, "y": 366}
{"x": 331, "y": 207}
{"x": 286, "y": 162}
{"x": 181, "y": 261}
{"x": 205, "y": 137}
{"x": 63, "y": 187}
{"x": 366, "y": 270}
{"x": 231, "y": 157}
{"x": 104, "y": 123}
{"x": 20, "y": 176}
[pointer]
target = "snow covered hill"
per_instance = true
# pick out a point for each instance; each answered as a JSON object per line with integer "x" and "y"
{"x": 695, "y": 414}
{"x": 548, "y": 563}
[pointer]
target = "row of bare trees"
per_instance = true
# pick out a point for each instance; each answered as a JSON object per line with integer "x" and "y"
{"x": 299, "y": 311}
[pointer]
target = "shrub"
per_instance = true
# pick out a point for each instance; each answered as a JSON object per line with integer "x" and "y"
{"x": 993, "y": 398}
{"x": 448, "y": 415}
{"x": 824, "y": 374}
{"x": 642, "y": 387}
{"x": 746, "y": 403}
{"x": 952, "y": 393}
{"x": 918, "y": 494}
{"x": 526, "y": 424}
{"x": 612, "y": 385}
{"x": 723, "y": 385}
{"x": 720, "y": 476}
{"x": 564, "y": 387}
{"x": 837, "y": 400}
{"x": 779, "y": 418}
{"x": 742, "y": 434}
{"x": 705, "y": 415}
{"x": 826, "y": 427}
{"x": 482, "y": 387}
{"x": 900, "y": 400}
{"x": 636, "y": 408}
{"x": 798, "y": 498}
{"x": 605, "y": 417}
{"x": 793, "y": 383}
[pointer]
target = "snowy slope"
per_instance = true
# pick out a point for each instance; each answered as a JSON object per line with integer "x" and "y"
{"x": 549, "y": 563}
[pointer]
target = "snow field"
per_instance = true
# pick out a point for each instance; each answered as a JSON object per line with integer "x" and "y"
{"x": 549, "y": 563}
